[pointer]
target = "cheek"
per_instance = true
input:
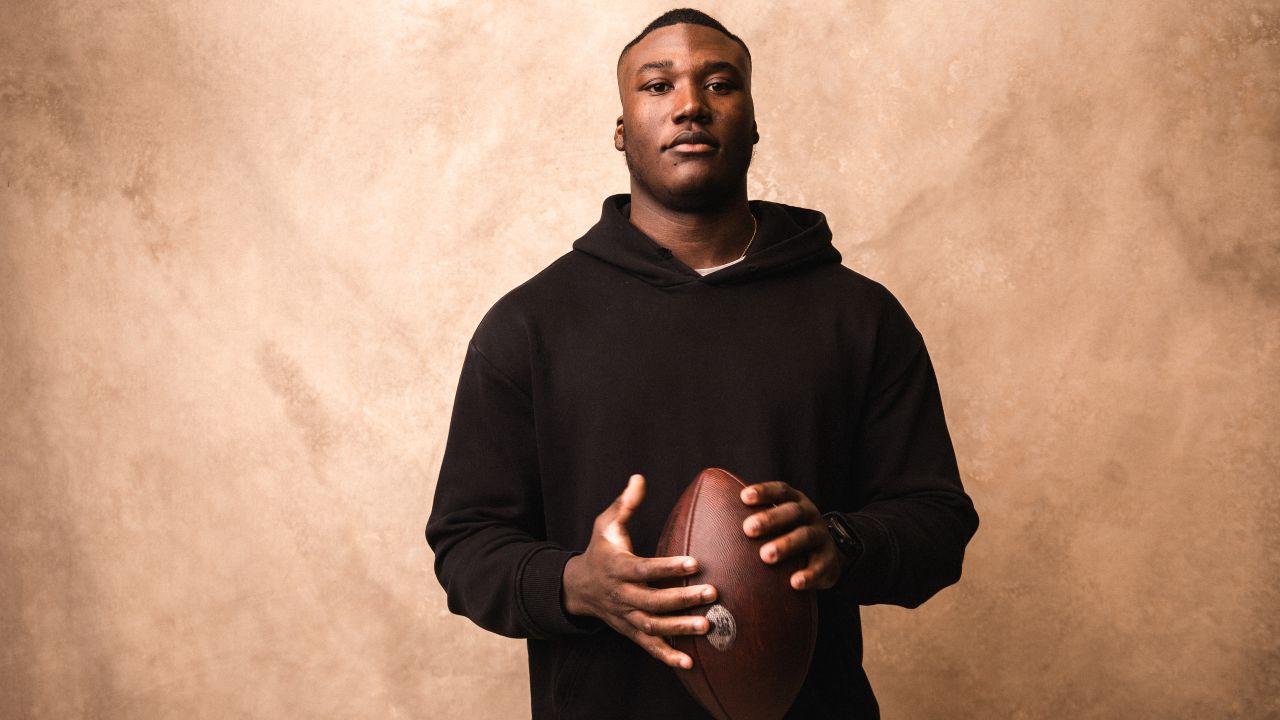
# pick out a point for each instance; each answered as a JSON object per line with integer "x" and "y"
{"x": 647, "y": 129}
{"x": 744, "y": 135}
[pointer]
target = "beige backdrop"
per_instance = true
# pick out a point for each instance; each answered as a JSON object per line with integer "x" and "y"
{"x": 243, "y": 244}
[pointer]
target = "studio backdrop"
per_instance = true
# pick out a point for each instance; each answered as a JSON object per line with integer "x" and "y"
{"x": 243, "y": 246}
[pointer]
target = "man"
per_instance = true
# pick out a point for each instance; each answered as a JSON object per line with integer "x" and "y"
{"x": 690, "y": 328}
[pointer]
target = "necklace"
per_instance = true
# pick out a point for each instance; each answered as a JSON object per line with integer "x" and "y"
{"x": 754, "y": 228}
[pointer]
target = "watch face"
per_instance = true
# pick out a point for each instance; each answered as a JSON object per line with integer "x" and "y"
{"x": 838, "y": 530}
{"x": 846, "y": 542}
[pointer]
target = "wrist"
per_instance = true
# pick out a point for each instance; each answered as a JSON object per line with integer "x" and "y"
{"x": 848, "y": 546}
{"x": 569, "y": 584}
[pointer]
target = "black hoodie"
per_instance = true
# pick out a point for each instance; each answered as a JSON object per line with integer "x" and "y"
{"x": 618, "y": 359}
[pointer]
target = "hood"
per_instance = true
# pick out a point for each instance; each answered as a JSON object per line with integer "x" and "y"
{"x": 787, "y": 239}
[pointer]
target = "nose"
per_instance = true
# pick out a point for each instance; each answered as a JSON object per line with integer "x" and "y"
{"x": 690, "y": 106}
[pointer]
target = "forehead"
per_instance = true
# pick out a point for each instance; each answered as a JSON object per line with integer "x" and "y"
{"x": 683, "y": 44}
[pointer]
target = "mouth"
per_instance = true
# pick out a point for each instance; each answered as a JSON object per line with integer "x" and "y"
{"x": 694, "y": 141}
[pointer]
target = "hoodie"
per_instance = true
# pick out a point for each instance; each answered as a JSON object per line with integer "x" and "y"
{"x": 618, "y": 358}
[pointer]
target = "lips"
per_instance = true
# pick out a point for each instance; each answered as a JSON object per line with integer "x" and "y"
{"x": 693, "y": 141}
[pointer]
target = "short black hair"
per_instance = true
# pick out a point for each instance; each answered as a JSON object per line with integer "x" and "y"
{"x": 684, "y": 16}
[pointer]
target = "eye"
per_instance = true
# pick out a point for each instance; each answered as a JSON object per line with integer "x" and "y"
{"x": 719, "y": 86}
{"x": 658, "y": 87}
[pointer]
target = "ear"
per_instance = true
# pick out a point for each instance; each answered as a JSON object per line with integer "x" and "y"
{"x": 755, "y": 133}
{"x": 619, "y": 142}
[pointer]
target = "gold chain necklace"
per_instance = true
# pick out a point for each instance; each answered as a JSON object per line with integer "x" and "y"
{"x": 754, "y": 228}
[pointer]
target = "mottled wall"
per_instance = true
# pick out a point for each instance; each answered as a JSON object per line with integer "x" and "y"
{"x": 242, "y": 246}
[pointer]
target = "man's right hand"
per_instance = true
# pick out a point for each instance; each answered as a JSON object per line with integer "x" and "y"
{"x": 609, "y": 582}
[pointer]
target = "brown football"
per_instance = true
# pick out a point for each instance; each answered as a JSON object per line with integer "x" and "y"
{"x": 752, "y": 662}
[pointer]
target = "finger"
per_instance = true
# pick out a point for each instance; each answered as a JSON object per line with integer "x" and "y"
{"x": 778, "y": 519}
{"x": 821, "y": 573}
{"x": 631, "y": 497}
{"x": 802, "y": 539}
{"x": 659, "y": 648}
{"x": 627, "y": 596}
{"x": 661, "y": 568}
{"x": 769, "y": 492}
{"x": 668, "y": 626}
{"x": 621, "y": 510}
{"x": 627, "y": 500}
{"x": 667, "y": 600}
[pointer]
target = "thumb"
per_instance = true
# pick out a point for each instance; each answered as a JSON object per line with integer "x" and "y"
{"x": 625, "y": 505}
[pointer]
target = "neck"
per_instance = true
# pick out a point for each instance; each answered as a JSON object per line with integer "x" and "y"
{"x": 700, "y": 238}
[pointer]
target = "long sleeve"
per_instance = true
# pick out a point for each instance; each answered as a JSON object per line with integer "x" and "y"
{"x": 486, "y": 525}
{"x": 912, "y": 515}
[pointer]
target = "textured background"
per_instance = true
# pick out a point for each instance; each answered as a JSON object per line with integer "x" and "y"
{"x": 242, "y": 246}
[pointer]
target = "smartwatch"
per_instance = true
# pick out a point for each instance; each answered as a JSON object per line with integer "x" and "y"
{"x": 847, "y": 543}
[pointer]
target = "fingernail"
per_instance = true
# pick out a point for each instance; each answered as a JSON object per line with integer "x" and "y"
{"x": 770, "y": 553}
{"x": 708, "y": 593}
{"x": 749, "y": 495}
{"x": 686, "y": 663}
{"x": 690, "y": 564}
{"x": 752, "y": 527}
{"x": 798, "y": 583}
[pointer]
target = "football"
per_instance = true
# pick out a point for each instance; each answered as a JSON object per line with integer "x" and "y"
{"x": 751, "y": 663}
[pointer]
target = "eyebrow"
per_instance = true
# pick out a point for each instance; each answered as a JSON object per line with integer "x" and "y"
{"x": 706, "y": 66}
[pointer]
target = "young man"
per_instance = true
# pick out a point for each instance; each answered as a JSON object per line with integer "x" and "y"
{"x": 690, "y": 328}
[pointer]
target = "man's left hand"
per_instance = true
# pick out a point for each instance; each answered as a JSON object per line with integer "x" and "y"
{"x": 794, "y": 527}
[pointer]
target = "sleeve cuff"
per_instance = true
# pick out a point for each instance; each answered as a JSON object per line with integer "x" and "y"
{"x": 542, "y": 595}
{"x": 876, "y": 568}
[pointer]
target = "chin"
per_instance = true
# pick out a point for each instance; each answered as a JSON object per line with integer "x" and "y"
{"x": 700, "y": 192}
{"x": 693, "y": 188}
{"x": 689, "y": 199}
